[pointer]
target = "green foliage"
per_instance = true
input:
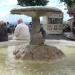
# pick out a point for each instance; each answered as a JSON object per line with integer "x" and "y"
{"x": 32, "y": 2}
{"x": 68, "y": 2}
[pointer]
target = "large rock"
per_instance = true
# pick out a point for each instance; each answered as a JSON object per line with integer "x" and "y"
{"x": 36, "y": 52}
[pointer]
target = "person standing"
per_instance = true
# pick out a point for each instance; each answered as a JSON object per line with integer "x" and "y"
{"x": 43, "y": 32}
{"x": 3, "y": 31}
{"x": 22, "y": 31}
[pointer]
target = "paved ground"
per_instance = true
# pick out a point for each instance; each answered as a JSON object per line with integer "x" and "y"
{"x": 64, "y": 36}
{"x": 51, "y": 37}
{"x": 56, "y": 36}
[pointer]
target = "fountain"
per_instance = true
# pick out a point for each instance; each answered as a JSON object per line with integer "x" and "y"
{"x": 37, "y": 50}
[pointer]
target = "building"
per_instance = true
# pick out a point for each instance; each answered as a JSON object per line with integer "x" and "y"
{"x": 53, "y": 23}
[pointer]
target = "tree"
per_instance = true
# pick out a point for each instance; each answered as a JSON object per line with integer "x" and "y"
{"x": 32, "y": 2}
{"x": 71, "y": 10}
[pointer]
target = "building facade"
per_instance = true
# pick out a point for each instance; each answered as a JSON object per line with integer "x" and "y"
{"x": 53, "y": 23}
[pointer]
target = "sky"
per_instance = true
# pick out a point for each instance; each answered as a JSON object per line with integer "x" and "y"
{"x": 7, "y": 5}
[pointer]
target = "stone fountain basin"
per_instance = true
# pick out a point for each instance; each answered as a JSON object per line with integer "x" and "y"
{"x": 21, "y": 44}
{"x": 65, "y": 66}
{"x": 48, "y": 42}
{"x": 35, "y": 11}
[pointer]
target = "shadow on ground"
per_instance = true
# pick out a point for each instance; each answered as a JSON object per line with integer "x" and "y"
{"x": 56, "y": 36}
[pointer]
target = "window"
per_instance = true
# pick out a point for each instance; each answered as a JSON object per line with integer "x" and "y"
{"x": 55, "y": 27}
{"x": 54, "y": 20}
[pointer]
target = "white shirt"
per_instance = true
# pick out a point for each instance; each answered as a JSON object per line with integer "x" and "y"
{"x": 22, "y": 32}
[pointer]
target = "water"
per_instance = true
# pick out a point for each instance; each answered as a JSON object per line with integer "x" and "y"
{"x": 10, "y": 66}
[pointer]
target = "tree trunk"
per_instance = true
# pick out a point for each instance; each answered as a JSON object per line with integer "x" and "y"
{"x": 36, "y": 36}
{"x": 74, "y": 26}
